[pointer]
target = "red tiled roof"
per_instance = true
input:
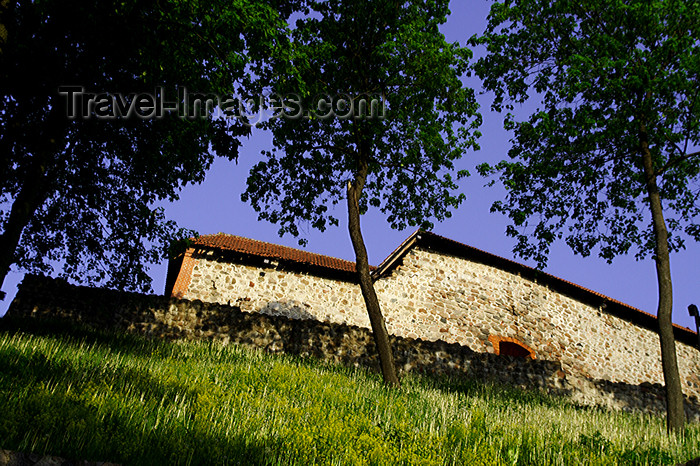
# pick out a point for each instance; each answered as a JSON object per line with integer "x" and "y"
{"x": 256, "y": 248}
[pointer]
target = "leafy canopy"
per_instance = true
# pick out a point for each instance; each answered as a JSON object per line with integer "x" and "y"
{"x": 390, "y": 50}
{"x": 599, "y": 69}
{"x": 89, "y": 186}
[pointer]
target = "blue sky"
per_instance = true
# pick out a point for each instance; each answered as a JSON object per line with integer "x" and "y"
{"x": 215, "y": 206}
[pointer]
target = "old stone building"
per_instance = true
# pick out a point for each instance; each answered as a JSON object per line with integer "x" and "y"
{"x": 435, "y": 288}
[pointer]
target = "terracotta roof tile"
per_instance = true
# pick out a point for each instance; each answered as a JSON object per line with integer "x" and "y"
{"x": 256, "y": 248}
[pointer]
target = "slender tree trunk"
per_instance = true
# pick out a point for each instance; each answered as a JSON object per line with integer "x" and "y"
{"x": 34, "y": 189}
{"x": 381, "y": 336}
{"x": 675, "y": 413}
{"x": 30, "y": 197}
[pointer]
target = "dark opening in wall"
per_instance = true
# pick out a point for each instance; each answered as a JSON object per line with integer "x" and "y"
{"x": 507, "y": 346}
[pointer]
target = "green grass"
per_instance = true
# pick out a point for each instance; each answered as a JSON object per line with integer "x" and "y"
{"x": 100, "y": 396}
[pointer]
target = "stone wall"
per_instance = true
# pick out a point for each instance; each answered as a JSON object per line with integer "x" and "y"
{"x": 438, "y": 296}
{"x": 271, "y": 289}
{"x": 155, "y": 316}
{"x": 435, "y": 297}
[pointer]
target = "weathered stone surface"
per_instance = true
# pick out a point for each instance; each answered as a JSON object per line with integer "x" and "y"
{"x": 160, "y": 317}
{"x": 441, "y": 297}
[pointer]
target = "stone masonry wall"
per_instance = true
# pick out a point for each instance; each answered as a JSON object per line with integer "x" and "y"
{"x": 435, "y": 297}
{"x": 274, "y": 291}
{"x": 50, "y": 301}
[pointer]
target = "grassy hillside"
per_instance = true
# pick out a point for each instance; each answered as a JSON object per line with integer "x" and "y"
{"x": 99, "y": 396}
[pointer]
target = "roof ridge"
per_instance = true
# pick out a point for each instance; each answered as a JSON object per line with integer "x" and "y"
{"x": 226, "y": 241}
{"x": 229, "y": 235}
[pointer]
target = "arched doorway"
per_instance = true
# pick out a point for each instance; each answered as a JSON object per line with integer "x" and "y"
{"x": 508, "y": 346}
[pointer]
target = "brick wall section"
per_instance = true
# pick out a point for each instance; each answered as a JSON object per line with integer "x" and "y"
{"x": 184, "y": 276}
{"x": 497, "y": 340}
{"x": 49, "y": 301}
{"x": 441, "y": 297}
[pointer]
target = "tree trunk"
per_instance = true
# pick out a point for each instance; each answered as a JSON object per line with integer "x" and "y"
{"x": 675, "y": 413}
{"x": 30, "y": 197}
{"x": 33, "y": 191}
{"x": 381, "y": 336}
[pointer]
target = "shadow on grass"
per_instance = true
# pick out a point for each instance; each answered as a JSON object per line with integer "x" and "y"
{"x": 47, "y": 327}
{"x": 472, "y": 387}
{"x": 44, "y": 413}
{"x": 58, "y": 422}
{"x": 140, "y": 346}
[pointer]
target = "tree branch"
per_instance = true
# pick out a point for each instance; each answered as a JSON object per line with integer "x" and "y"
{"x": 676, "y": 160}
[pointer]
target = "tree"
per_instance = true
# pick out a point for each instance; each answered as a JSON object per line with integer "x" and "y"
{"x": 82, "y": 190}
{"x": 4, "y": 5}
{"x": 330, "y": 146}
{"x": 618, "y": 82}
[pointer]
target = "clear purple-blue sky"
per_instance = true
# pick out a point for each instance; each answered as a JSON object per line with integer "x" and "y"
{"x": 215, "y": 206}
